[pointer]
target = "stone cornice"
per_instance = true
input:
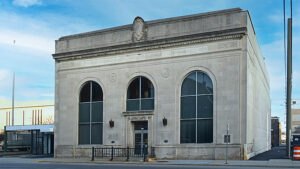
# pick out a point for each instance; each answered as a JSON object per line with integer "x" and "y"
{"x": 153, "y": 22}
{"x": 151, "y": 45}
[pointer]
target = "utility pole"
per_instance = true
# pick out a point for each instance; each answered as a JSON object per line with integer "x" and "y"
{"x": 23, "y": 117}
{"x": 289, "y": 89}
{"x": 13, "y": 102}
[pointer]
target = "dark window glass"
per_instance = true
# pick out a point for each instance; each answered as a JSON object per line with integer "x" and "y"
{"x": 196, "y": 108}
{"x": 84, "y": 112}
{"x": 85, "y": 93}
{"x": 97, "y": 94}
{"x": 139, "y": 90}
{"x": 147, "y": 104}
{"x": 209, "y": 85}
{"x": 188, "y": 131}
{"x": 205, "y": 131}
{"x": 133, "y": 89}
{"x": 147, "y": 90}
{"x": 138, "y": 125}
{"x": 133, "y": 105}
{"x": 97, "y": 112}
{"x": 188, "y": 108}
{"x": 90, "y": 114}
{"x": 201, "y": 87}
{"x": 84, "y": 133}
{"x": 205, "y": 106}
{"x": 97, "y": 133}
{"x": 189, "y": 85}
{"x": 204, "y": 84}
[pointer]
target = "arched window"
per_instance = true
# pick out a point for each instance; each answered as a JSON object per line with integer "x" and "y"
{"x": 140, "y": 95}
{"x": 90, "y": 113}
{"x": 196, "y": 120}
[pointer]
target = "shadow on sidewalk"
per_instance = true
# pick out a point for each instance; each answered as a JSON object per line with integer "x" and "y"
{"x": 274, "y": 153}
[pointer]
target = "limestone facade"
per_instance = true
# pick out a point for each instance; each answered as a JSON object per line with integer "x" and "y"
{"x": 221, "y": 44}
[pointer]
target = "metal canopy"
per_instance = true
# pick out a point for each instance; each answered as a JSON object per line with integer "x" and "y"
{"x": 42, "y": 128}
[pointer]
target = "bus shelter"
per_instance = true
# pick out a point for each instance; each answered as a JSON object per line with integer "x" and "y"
{"x": 37, "y": 139}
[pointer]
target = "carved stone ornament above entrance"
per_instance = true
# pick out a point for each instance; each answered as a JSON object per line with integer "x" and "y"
{"x": 139, "y": 30}
{"x": 139, "y": 113}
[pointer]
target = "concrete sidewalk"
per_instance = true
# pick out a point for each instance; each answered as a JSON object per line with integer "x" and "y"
{"x": 271, "y": 163}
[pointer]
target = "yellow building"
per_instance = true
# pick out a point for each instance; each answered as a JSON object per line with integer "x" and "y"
{"x": 27, "y": 115}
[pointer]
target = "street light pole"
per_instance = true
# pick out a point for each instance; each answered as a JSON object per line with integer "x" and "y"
{"x": 13, "y": 101}
{"x": 289, "y": 89}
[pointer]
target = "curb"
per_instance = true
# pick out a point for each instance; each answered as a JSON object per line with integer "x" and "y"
{"x": 165, "y": 163}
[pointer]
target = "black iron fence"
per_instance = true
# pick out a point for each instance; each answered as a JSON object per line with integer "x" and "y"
{"x": 128, "y": 153}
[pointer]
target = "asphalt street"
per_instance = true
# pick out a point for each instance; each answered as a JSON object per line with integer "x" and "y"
{"x": 110, "y": 166}
{"x": 38, "y": 165}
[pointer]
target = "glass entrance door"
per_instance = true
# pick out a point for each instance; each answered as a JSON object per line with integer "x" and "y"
{"x": 140, "y": 137}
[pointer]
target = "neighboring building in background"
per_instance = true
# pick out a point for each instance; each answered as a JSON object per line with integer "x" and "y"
{"x": 172, "y": 85}
{"x": 295, "y": 122}
{"x": 37, "y": 139}
{"x": 295, "y": 127}
{"x": 275, "y": 132}
{"x": 32, "y": 129}
{"x": 283, "y": 138}
{"x": 27, "y": 115}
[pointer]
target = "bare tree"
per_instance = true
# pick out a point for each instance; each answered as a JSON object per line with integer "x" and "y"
{"x": 48, "y": 120}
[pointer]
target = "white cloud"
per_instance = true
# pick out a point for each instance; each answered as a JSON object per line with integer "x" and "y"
{"x": 27, "y": 32}
{"x": 36, "y": 93}
{"x": 30, "y": 56}
{"x": 5, "y": 79}
{"x": 276, "y": 17}
{"x": 277, "y": 82}
{"x": 26, "y": 3}
{"x": 27, "y": 40}
{"x": 47, "y": 94}
{"x": 275, "y": 63}
{"x": 5, "y": 103}
{"x": 36, "y": 33}
{"x": 273, "y": 49}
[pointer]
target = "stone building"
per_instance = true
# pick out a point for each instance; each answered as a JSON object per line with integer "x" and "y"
{"x": 173, "y": 84}
{"x": 295, "y": 122}
{"x": 275, "y": 132}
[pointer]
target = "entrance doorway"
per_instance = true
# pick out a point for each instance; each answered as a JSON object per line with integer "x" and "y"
{"x": 140, "y": 137}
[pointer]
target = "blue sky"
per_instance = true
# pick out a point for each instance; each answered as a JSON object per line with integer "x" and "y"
{"x": 36, "y": 24}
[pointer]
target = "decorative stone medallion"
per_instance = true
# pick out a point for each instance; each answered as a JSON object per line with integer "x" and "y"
{"x": 113, "y": 77}
{"x": 139, "y": 32}
{"x": 165, "y": 72}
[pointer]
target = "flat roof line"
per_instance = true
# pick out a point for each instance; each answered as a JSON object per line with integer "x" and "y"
{"x": 42, "y": 128}
{"x": 26, "y": 107}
